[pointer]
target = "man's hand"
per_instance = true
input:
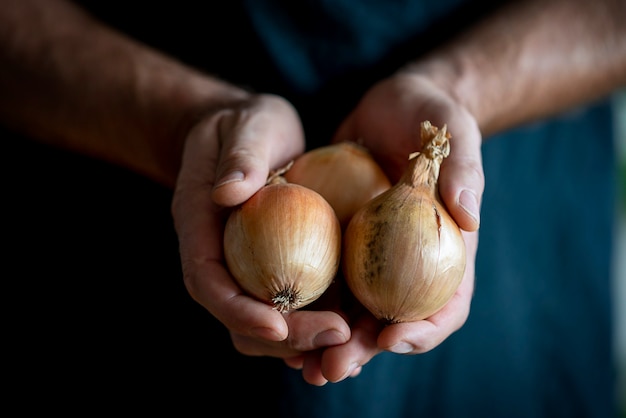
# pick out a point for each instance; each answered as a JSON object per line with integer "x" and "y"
{"x": 227, "y": 157}
{"x": 387, "y": 122}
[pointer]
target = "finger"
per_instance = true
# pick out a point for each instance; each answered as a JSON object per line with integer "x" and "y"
{"x": 343, "y": 361}
{"x": 254, "y": 140}
{"x": 461, "y": 180}
{"x": 307, "y": 331}
{"x": 210, "y": 285}
{"x": 295, "y": 362}
{"x": 311, "y": 369}
{"x": 310, "y": 330}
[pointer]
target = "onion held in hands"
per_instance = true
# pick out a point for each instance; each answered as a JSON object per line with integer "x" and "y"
{"x": 283, "y": 245}
{"x": 404, "y": 255}
{"x": 344, "y": 173}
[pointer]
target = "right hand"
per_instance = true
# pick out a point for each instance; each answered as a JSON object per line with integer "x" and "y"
{"x": 227, "y": 157}
{"x": 387, "y": 122}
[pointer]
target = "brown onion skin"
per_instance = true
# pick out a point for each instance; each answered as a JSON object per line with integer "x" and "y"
{"x": 283, "y": 245}
{"x": 403, "y": 254}
{"x": 344, "y": 173}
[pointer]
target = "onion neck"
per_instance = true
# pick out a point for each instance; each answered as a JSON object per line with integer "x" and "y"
{"x": 422, "y": 172}
{"x": 424, "y": 166}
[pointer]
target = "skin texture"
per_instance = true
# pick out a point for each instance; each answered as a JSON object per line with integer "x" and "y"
{"x": 73, "y": 83}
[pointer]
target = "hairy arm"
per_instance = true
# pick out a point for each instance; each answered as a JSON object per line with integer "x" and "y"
{"x": 75, "y": 83}
{"x": 532, "y": 59}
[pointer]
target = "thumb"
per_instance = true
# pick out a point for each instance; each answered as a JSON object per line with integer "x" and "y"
{"x": 462, "y": 180}
{"x": 264, "y": 135}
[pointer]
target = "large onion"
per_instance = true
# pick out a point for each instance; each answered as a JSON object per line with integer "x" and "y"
{"x": 283, "y": 245}
{"x": 403, "y": 255}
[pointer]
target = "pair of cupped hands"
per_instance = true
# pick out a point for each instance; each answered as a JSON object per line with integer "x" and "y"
{"x": 227, "y": 157}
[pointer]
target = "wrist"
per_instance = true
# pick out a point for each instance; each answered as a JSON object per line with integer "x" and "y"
{"x": 454, "y": 77}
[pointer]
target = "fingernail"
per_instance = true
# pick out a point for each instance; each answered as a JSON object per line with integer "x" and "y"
{"x": 350, "y": 370}
{"x": 330, "y": 337}
{"x": 267, "y": 333}
{"x": 231, "y": 177}
{"x": 402, "y": 348}
{"x": 469, "y": 203}
{"x": 356, "y": 371}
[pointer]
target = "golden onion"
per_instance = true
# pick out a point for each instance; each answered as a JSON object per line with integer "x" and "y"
{"x": 283, "y": 245}
{"x": 344, "y": 173}
{"x": 403, "y": 254}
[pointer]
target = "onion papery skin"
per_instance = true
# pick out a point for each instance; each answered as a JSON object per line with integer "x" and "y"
{"x": 403, "y": 254}
{"x": 344, "y": 173}
{"x": 283, "y": 245}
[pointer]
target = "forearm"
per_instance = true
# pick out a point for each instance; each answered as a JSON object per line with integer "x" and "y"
{"x": 75, "y": 83}
{"x": 533, "y": 59}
